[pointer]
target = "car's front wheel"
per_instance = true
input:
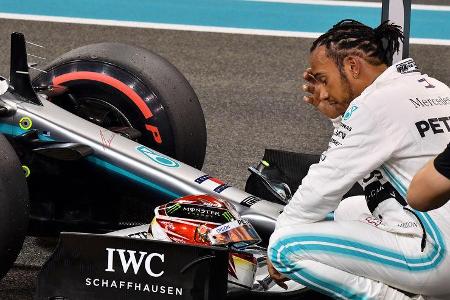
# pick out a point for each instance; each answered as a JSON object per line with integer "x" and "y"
{"x": 14, "y": 206}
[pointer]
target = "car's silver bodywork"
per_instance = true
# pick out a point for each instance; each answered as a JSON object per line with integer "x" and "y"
{"x": 127, "y": 158}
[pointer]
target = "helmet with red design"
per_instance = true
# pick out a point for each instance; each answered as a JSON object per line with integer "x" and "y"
{"x": 209, "y": 220}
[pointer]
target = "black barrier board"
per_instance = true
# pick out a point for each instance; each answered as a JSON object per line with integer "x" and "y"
{"x": 90, "y": 266}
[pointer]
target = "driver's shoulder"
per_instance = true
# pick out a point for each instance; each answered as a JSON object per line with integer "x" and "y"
{"x": 380, "y": 109}
{"x": 385, "y": 100}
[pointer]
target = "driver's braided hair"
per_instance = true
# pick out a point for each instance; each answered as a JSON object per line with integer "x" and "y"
{"x": 350, "y": 37}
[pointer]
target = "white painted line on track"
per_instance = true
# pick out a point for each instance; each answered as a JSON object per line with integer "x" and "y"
{"x": 190, "y": 27}
{"x": 324, "y": 2}
{"x": 436, "y": 42}
{"x": 430, "y": 7}
{"x": 355, "y": 4}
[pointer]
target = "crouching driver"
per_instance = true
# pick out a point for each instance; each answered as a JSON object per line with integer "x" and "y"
{"x": 394, "y": 119}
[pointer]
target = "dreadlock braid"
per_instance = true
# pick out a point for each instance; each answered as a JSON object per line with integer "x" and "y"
{"x": 350, "y": 37}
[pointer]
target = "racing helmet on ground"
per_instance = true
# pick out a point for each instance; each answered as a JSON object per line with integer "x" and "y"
{"x": 209, "y": 220}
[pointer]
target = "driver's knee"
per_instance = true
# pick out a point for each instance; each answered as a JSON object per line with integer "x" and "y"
{"x": 276, "y": 251}
{"x": 284, "y": 252}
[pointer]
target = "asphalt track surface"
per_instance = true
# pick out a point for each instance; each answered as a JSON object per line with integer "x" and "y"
{"x": 249, "y": 88}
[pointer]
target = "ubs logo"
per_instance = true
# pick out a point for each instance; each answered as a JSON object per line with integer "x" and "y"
{"x": 136, "y": 261}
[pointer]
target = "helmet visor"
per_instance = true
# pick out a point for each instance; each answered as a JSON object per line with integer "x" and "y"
{"x": 238, "y": 233}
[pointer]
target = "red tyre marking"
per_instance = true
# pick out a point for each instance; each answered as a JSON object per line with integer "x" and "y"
{"x": 125, "y": 89}
{"x": 155, "y": 132}
{"x": 129, "y": 92}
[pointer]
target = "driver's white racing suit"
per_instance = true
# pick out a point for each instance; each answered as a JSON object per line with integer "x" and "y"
{"x": 399, "y": 122}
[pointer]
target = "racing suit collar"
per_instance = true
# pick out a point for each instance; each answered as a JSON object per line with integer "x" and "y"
{"x": 401, "y": 68}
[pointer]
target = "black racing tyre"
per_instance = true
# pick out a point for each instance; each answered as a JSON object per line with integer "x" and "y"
{"x": 118, "y": 85}
{"x": 14, "y": 206}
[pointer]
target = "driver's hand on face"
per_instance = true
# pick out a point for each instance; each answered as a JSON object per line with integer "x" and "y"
{"x": 311, "y": 86}
{"x": 277, "y": 276}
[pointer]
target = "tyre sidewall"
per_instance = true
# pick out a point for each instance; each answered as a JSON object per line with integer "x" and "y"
{"x": 178, "y": 99}
{"x": 14, "y": 206}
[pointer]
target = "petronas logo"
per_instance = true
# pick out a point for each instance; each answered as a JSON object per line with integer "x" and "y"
{"x": 228, "y": 216}
{"x": 173, "y": 208}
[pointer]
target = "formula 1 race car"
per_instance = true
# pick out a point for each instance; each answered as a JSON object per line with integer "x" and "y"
{"x": 103, "y": 135}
